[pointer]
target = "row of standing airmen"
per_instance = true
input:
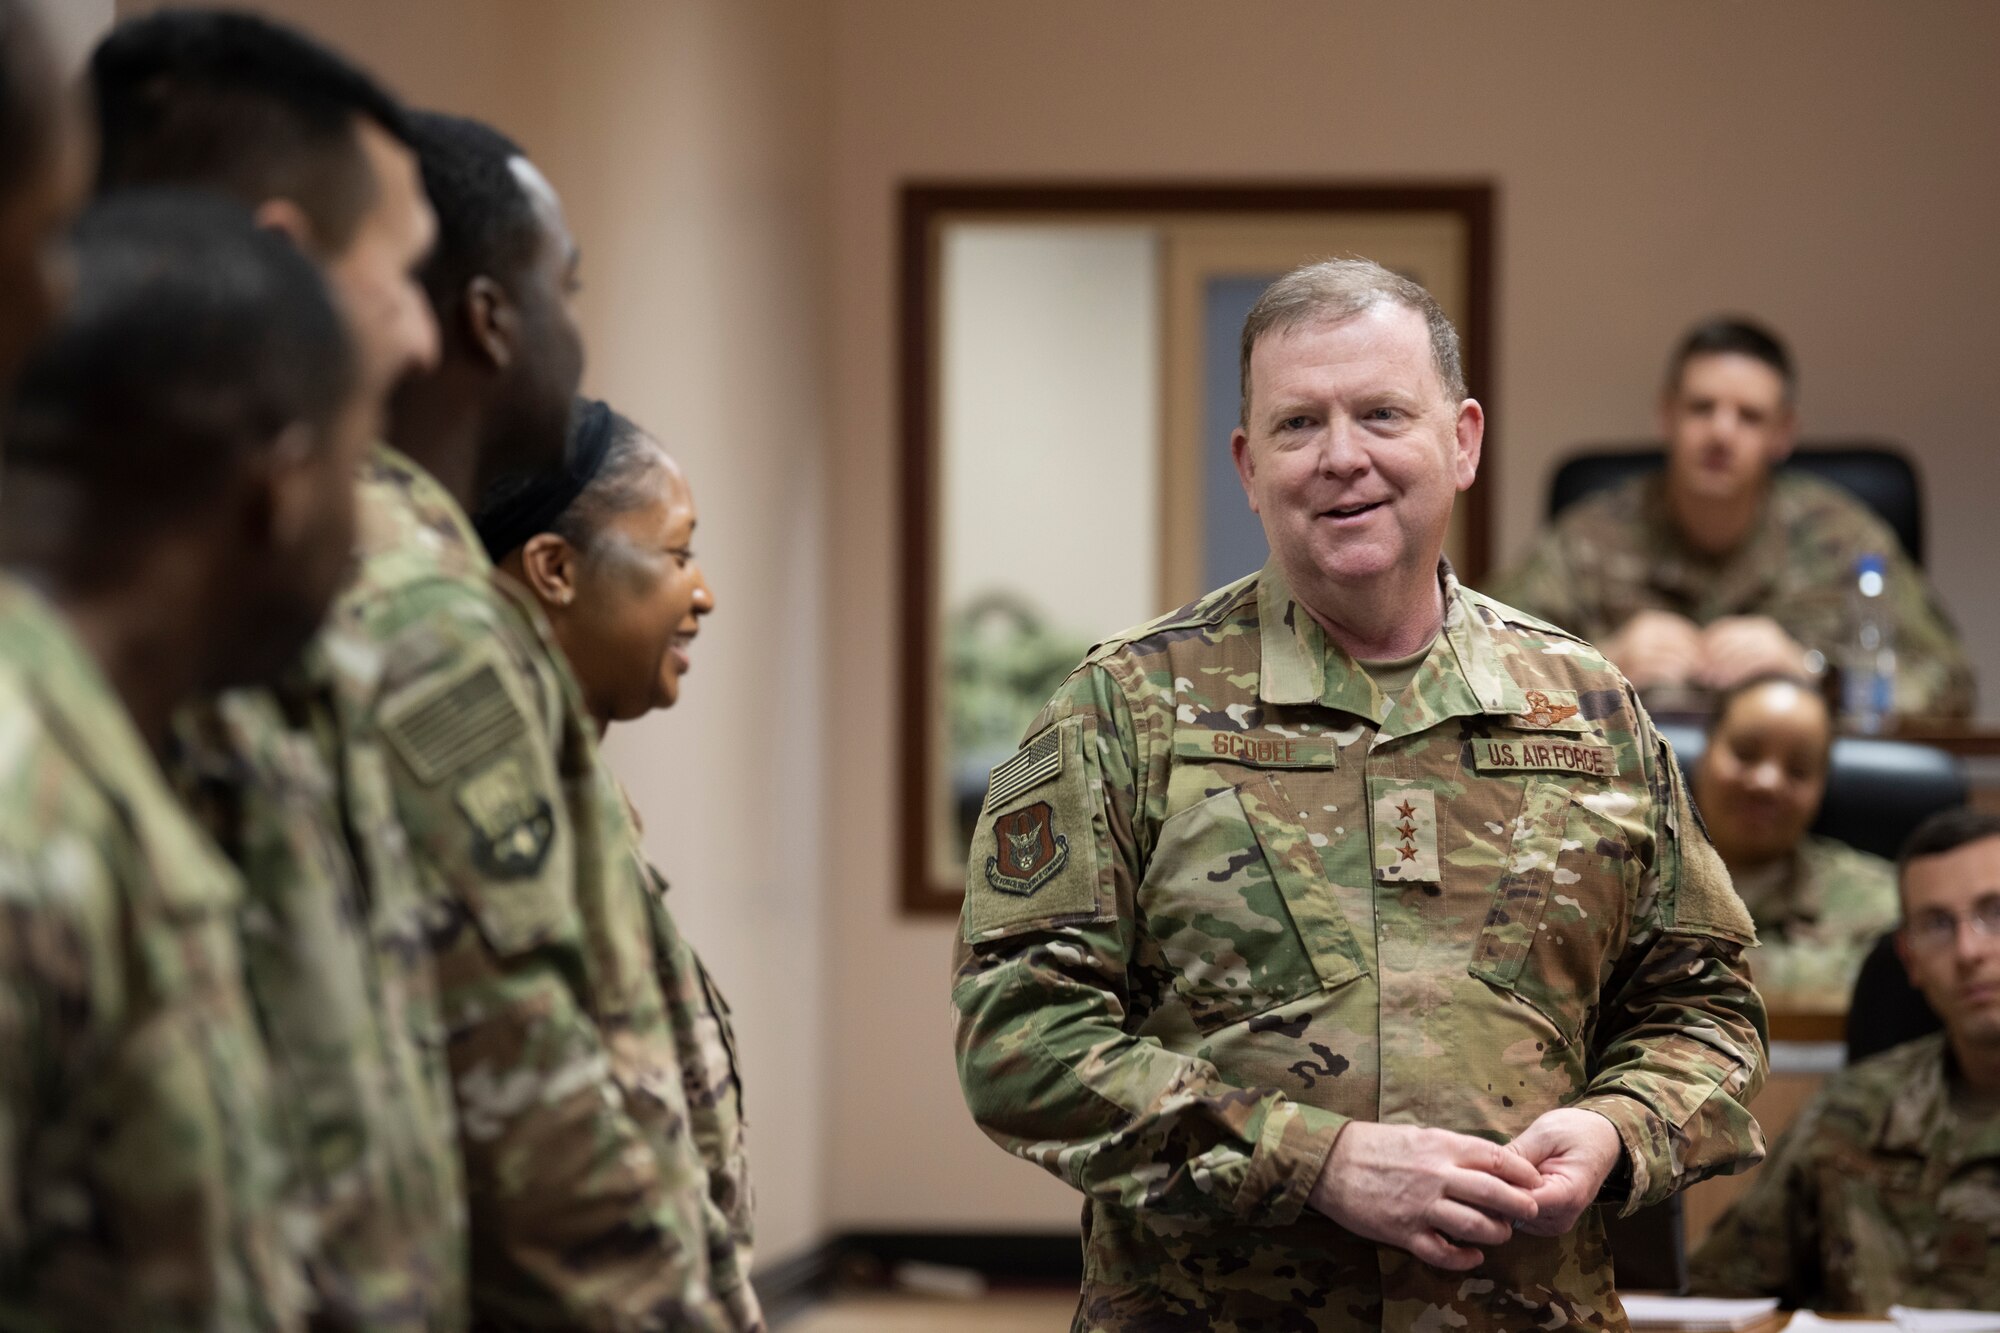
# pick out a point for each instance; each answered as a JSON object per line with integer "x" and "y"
{"x": 335, "y": 988}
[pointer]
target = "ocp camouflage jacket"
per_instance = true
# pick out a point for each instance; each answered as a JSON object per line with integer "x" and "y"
{"x": 1227, "y": 897}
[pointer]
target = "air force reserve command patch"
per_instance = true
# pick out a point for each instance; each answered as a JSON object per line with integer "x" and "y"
{"x": 512, "y": 826}
{"x": 1029, "y": 852}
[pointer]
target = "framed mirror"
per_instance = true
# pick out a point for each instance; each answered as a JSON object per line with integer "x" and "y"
{"x": 1069, "y": 378}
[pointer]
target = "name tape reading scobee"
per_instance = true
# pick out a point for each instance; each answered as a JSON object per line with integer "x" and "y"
{"x": 1257, "y": 749}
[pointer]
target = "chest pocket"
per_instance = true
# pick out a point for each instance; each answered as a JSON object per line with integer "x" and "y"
{"x": 1561, "y": 911}
{"x": 1236, "y": 900}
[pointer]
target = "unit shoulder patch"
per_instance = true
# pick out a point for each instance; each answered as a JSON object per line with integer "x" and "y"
{"x": 512, "y": 824}
{"x": 1028, "y": 850}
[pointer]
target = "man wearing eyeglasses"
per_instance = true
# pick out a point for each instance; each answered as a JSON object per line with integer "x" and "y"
{"x": 1887, "y": 1190}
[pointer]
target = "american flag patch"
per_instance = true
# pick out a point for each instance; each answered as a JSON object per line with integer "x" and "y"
{"x": 442, "y": 732}
{"x": 1040, "y": 759}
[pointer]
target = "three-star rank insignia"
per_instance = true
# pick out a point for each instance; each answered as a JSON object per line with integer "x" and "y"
{"x": 512, "y": 826}
{"x": 1028, "y": 851}
{"x": 1406, "y": 844}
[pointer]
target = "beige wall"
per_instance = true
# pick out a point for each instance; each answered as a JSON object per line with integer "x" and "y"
{"x": 1825, "y": 165}
{"x": 685, "y": 139}
{"x": 75, "y": 25}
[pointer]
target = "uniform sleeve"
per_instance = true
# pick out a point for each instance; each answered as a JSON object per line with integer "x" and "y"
{"x": 1933, "y": 674}
{"x": 1768, "y": 1243}
{"x": 1047, "y": 994}
{"x": 586, "y": 1211}
{"x": 706, "y": 1045}
{"x": 1681, "y": 1041}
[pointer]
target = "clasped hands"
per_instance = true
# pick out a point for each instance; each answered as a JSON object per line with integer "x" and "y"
{"x": 1661, "y": 648}
{"x": 1441, "y": 1195}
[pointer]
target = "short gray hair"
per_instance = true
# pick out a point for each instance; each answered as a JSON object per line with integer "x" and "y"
{"x": 1336, "y": 289}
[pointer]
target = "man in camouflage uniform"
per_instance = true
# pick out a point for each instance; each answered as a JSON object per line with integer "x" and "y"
{"x": 587, "y": 1196}
{"x": 1345, "y": 934}
{"x": 175, "y": 514}
{"x": 1818, "y": 904}
{"x": 1886, "y": 1190}
{"x": 295, "y": 791}
{"x": 1721, "y": 567}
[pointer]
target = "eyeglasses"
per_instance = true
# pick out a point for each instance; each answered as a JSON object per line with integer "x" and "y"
{"x": 1936, "y": 930}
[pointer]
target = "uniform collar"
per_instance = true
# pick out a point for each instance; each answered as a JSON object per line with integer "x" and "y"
{"x": 1463, "y": 675}
{"x": 79, "y": 700}
{"x": 427, "y": 496}
{"x": 1713, "y": 585}
{"x": 1920, "y": 1121}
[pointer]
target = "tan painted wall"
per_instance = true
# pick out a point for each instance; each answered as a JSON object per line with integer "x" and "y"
{"x": 1825, "y": 165}
{"x": 685, "y": 139}
{"x": 76, "y": 25}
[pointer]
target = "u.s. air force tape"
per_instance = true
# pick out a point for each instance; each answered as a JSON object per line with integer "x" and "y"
{"x": 1545, "y": 754}
{"x": 1039, "y": 760}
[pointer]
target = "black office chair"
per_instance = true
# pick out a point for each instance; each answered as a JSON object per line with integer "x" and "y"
{"x": 1876, "y": 472}
{"x": 1886, "y": 1009}
{"x": 1877, "y": 792}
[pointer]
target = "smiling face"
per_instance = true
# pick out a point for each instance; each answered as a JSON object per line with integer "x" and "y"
{"x": 636, "y": 597}
{"x": 1958, "y": 974}
{"x": 1728, "y": 422}
{"x": 1352, "y": 455}
{"x": 1761, "y": 779}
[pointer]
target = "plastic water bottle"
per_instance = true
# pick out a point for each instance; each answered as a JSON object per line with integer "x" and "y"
{"x": 1868, "y": 673}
